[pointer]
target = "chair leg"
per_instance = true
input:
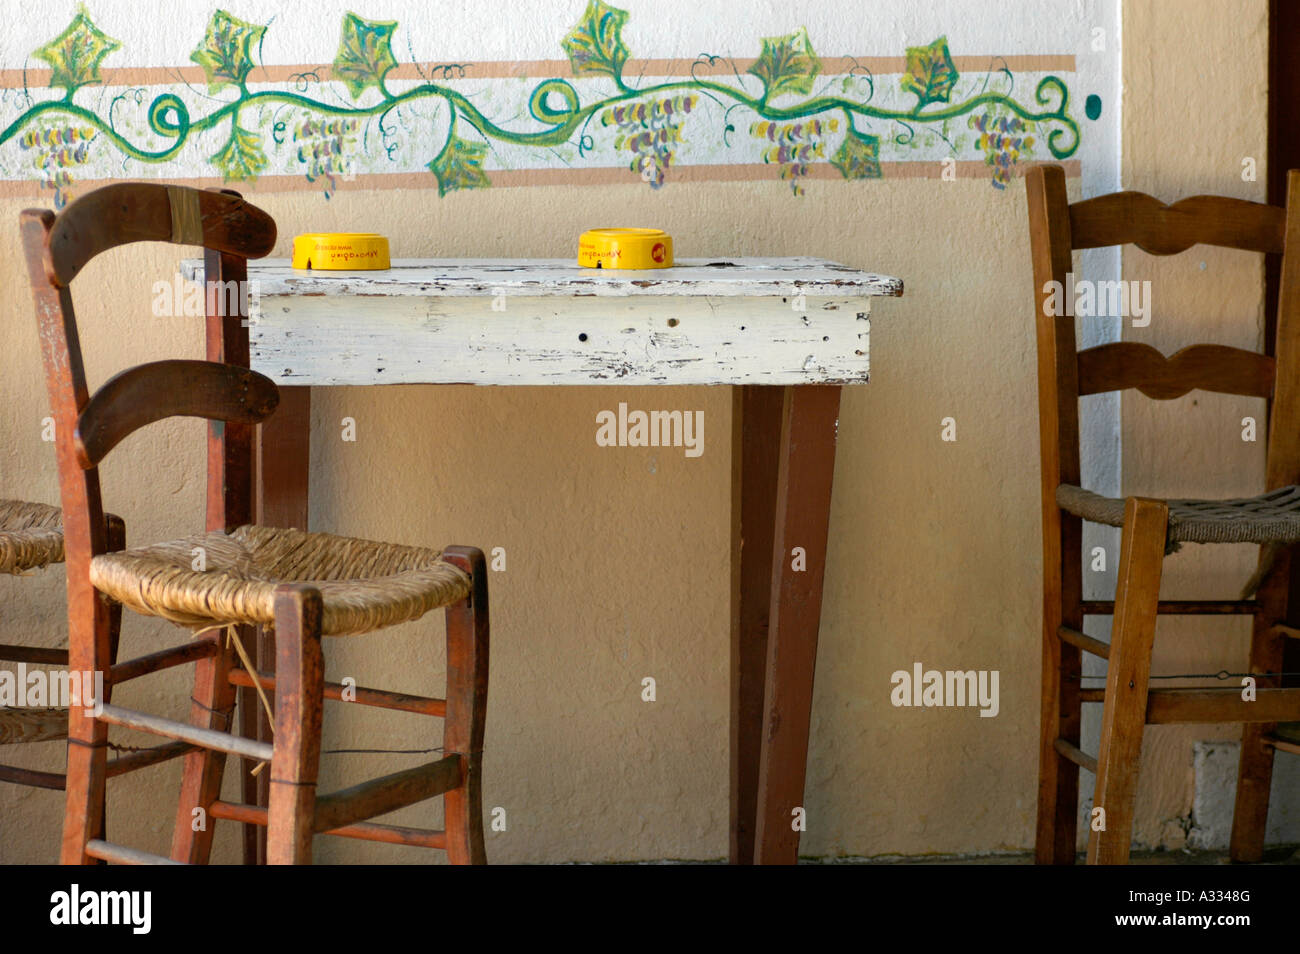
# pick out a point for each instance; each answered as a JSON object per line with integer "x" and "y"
{"x": 299, "y": 702}
{"x": 83, "y": 818}
{"x": 88, "y": 651}
{"x": 1061, "y": 715}
{"x": 211, "y": 707}
{"x": 116, "y": 542}
{"x": 467, "y": 686}
{"x": 1255, "y": 768}
{"x": 250, "y": 717}
{"x": 1254, "y": 780}
{"x": 1129, "y": 668}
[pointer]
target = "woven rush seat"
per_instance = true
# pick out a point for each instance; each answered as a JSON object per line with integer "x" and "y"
{"x": 31, "y": 536}
{"x": 1273, "y": 517}
{"x": 364, "y": 585}
{"x": 32, "y": 725}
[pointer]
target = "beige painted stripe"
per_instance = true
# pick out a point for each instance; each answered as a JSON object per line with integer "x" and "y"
{"x": 511, "y": 178}
{"x": 541, "y": 69}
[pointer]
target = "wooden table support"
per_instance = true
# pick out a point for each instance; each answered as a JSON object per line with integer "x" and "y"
{"x": 755, "y": 459}
{"x": 798, "y": 325}
{"x": 782, "y": 476}
{"x": 783, "y": 461}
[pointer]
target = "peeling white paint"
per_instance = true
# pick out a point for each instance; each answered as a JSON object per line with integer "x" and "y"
{"x": 529, "y": 322}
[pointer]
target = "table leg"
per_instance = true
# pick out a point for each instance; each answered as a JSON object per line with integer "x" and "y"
{"x": 755, "y": 454}
{"x": 280, "y": 500}
{"x": 809, "y": 421}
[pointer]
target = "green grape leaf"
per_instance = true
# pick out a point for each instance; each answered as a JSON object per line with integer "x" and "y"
{"x": 787, "y": 64}
{"x": 595, "y": 44}
{"x": 365, "y": 53}
{"x": 226, "y": 53}
{"x": 460, "y": 166}
{"x": 930, "y": 73}
{"x": 75, "y": 54}
{"x": 858, "y": 156}
{"x": 241, "y": 158}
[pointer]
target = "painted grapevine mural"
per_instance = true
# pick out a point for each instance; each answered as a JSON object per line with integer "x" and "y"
{"x": 355, "y": 117}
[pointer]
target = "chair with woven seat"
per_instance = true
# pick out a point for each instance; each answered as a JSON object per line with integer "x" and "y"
{"x": 236, "y": 575}
{"x": 31, "y": 538}
{"x": 1152, "y": 528}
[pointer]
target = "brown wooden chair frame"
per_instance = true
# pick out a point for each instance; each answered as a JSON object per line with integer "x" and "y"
{"x": 1057, "y": 228}
{"x": 234, "y": 399}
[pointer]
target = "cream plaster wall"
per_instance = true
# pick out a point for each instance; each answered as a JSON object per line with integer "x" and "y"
{"x": 617, "y": 559}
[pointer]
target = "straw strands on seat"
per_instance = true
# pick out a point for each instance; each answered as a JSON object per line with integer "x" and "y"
{"x": 31, "y": 536}
{"x": 215, "y": 578}
{"x": 1272, "y": 517}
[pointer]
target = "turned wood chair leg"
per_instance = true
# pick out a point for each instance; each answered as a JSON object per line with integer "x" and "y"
{"x": 1061, "y": 714}
{"x": 1255, "y": 767}
{"x": 85, "y": 788}
{"x": 1254, "y": 779}
{"x": 299, "y": 702}
{"x": 1058, "y": 778}
{"x": 1142, "y": 552}
{"x": 249, "y": 708}
{"x": 467, "y": 685}
{"x": 211, "y": 707}
{"x": 88, "y": 651}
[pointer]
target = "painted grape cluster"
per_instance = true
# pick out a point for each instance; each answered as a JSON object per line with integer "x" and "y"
{"x": 794, "y": 145}
{"x": 1003, "y": 141}
{"x": 650, "y": 130}
{"x": 56, "y": 151}
{"x": 323, "y": 146}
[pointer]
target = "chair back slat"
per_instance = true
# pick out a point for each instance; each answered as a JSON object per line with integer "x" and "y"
{"x": 148, "y": 212}
{"x": 1138, "y": 219}
{"x": 162, "y": 389}
{"x": 87, "y": 428}
{"x": 1131, "y": 364}
{"x": 1135, "y": 218}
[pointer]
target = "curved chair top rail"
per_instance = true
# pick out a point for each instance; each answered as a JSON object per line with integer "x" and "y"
{"x": 1135, "y": 218}
{"x": 58, "y": 246}
{"x": 148, "y": 212}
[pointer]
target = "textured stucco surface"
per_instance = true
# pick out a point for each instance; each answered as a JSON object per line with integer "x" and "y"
{"x": 617, "y": 558}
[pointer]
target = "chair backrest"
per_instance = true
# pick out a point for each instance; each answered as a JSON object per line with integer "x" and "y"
{"x": 221, "y": 389}
{"x": 1057, "y": 228}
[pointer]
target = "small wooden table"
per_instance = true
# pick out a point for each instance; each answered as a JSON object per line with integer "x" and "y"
{"x": 787, "y": 333}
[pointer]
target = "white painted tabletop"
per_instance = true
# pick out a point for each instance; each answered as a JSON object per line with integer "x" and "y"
{"x": 721, "y": 321}
{"x": 749, "y": 277}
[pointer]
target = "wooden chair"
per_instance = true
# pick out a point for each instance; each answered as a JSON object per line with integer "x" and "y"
{"x": 235, "y": 576}
{"x": 1151, "y": 527}
{"x": 31, "y": 538}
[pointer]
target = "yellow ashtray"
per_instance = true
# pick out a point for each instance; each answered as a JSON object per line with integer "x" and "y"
{"x": 625, "y": 248}
{"x": 340, "y": 251}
